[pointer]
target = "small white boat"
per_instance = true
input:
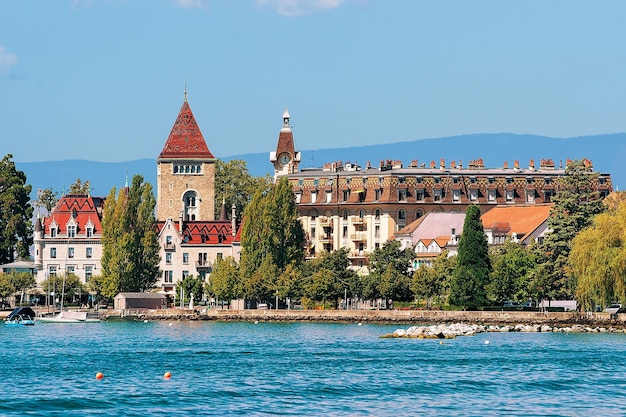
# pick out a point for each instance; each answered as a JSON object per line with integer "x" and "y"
{"x": 69, "y": 317}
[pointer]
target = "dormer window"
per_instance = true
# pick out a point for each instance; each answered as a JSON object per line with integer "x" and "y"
{"x": 53, "y": 232}
{"x": 89, "y": 231}
{"x": 71, "y": 231}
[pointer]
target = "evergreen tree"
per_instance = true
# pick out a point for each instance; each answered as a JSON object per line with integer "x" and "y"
{"x": 130, "y": 256}
{"x": 471, "y": 276}
{"x": 575, "y": 204}
{"x": 16, "y": 213}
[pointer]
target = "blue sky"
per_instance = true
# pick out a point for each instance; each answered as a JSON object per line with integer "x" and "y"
{"x": 103, "y": 80}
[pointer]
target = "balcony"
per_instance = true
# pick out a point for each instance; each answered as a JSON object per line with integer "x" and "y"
{"x": 357, "y": 220}
{"x": 169, "y": 246}
{"x": 204, "y": 266}
{"x": 324, "y": 221}
{"x": 325, "y": 239}
{"x": 358, "y": 236}
{"x": 358, "y": 254}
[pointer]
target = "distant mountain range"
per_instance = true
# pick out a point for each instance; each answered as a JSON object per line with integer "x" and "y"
{"x": 607, "y": 152}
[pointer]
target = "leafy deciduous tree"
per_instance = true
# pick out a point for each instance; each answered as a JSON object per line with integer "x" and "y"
{"x": 598, "y": 256}
{"x": 16, "y": 214}
{"x": 130, "y": 256}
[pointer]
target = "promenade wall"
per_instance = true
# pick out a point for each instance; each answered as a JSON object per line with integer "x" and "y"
{"x": 378, "y": 316}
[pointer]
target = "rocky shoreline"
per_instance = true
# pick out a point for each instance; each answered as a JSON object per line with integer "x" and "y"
{"x": 450, "y": 331}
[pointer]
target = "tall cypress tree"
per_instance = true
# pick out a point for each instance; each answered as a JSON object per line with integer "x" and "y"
{"x": 471, "y": 276}
{"x": 16, "y": 214}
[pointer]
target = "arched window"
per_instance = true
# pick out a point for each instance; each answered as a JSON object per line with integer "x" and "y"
{"x": 361, "y": 214}
{"x": 377, "y": 214}
{"x": 418, "y": 213}
{"x": 344, "y": 215}
{"x": 401, "y": 214}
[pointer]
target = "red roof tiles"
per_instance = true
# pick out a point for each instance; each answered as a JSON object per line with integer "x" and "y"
{"x": 185, "y": 139}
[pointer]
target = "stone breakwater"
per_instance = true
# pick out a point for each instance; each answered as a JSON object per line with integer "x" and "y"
{"x": 503, "y": 319}
{"x": 450, "y": 331}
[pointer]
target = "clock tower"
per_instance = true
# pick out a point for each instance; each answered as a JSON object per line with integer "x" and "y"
{"x": 285, "y": 159}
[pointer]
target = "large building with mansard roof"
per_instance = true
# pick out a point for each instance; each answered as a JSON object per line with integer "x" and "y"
{"x": 342, "y": 204}
{"x": 190, "y": 237}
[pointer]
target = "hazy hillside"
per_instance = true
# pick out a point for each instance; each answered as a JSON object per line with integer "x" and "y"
{"x": 606, "y": 151}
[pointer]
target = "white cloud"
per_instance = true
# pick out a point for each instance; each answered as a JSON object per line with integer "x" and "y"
{"x": 190, "y": 4}
{"x": 300, "y": 7}
{"x": 7, "y": 61}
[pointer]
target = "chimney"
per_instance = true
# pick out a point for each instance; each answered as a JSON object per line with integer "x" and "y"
{"x": 516, "y": 165}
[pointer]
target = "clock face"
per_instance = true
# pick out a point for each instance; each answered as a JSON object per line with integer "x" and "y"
{"x": 284, "y": 159}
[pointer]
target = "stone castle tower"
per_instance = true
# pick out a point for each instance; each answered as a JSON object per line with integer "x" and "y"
{"x": 185, "y": 173}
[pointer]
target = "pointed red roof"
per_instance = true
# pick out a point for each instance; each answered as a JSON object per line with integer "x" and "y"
{"x": 285, "y": 138}
{"x": 185, "y": 140}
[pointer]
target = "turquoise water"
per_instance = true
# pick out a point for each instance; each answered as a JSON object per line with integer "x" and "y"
{"x": 304, "y": 369}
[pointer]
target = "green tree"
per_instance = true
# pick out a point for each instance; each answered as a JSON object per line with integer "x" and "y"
{"x": 80, "y": 188}
{"x": 15, "y": 282}
{"x": 271, "y": 231}
{"x": 65, "y": 286}
{"x": 471, "y": 275}
{"x": 130, "y": 255}
{"x": 433, "y": 283}
{"x": 262, "y": 284}
{"x": 191, "y": 285}
{"x": 47, "y": 198}
{"x": 598, "y": 257}
{"x": 235, "y": 185}
{"x": 323, "y": 286}
{"x": 224, "y": 282}
{"x": 512, "y": 266}
{"x": 16, "y": 214}
{"x": 289, "y": 283}
{"x": 390, "y": 272}
{"x": 575, "y": 204}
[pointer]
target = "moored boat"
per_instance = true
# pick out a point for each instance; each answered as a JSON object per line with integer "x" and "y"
{"x": 21, "y": 316}
{"x": 68, "y": 316}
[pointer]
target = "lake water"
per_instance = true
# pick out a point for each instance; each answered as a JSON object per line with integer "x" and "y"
{"x": 304, "y": 369}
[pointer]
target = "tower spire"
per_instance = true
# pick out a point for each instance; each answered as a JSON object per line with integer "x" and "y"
{"x": 185, "y": 88}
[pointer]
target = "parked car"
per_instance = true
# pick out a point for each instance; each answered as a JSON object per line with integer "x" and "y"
{"x": 528, "y": 303}
{"x": 613, "y": 308}
{"x": 510, "y": 304}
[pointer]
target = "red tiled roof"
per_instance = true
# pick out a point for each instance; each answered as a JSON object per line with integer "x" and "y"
{"x": 86, "y": 208}
{"x": 522, "y": 220}
{"x": 205, "y": 233}
{"x": 185, "y": 140}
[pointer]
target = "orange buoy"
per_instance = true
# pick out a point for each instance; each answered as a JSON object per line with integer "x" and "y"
{"x": 99, "y": 375}
{"x": 167, "y": 375}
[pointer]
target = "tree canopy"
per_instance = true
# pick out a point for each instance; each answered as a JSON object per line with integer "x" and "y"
{"x": 271, "y": 230}
{"x": 130, "y": 255}
{"x": 16, "y": 213}
{"x": 575, "y": 204}
{"x": 598, "y": 256}
{"x": 235, "y": 185}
